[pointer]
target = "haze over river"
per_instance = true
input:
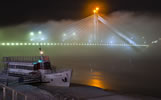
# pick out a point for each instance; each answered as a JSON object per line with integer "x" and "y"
{"x": 126, "y": 69}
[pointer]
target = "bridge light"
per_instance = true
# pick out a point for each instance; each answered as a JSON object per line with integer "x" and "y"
{"x": 97, "y": 8}
{"x": 41, "y": 52}
{"x": 94, "y": 11}
{"x": 64, "y": 35}
{"x": 73, "y": 33}
{"x": 42, "y": 39}
{"x": 39, "y": 32}
{"x": 31, "y": 33}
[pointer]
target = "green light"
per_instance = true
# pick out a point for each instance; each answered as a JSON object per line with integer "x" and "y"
{"x": 33, "y": 43}
{"x": 34, "y": 63}
{"x": 40, "y": 61}
{"x": 29, "y": 43}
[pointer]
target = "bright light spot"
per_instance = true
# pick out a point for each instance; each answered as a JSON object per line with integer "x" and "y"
{"x": 97, "y": 8}
{"x": 12, "y": 44}
{"x": 42, "y": 39}
{"x": 94, "y": 11}
{"x": 29, "y": 43}
{"x": 31, "y": 33}
{"x": 3, "y": 43}
{"x": 41, "y": 52}
{"x": 44, "y": 43}
{"x": 40, "y": 61}
{"x": 17, "y": 43}
{"x": 37, "y": 43}
{"x": 73, "y": 33}
{"x": 21, "y": 43}
{"x": 48, "y": 43}
{"x": 155, "y": 41}
{"x": 39, "y": 32}
{"x": 33, "y": 43}
{"x": 111, "y": 42}
{"x": 25, "y": 43}
{"x": 8, "y": 43}
{"x": 31, "y": 39}
{"x": 64, "y": 35}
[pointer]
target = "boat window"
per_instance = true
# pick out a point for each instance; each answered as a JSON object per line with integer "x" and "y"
{"x": 36, "y": 66}
{"x": 47, "y": 65}
{"x": 12, "y": 66}
{"x": 21, "y": 67}
{"x": 29, "y": 68}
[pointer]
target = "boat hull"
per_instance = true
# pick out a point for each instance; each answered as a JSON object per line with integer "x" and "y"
{"x": 59, "y": 78}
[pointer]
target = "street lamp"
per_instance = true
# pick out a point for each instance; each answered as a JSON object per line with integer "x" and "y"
{"x": 39, "y": 32}
{"x": 31, "y": 33}
{"x": 96, "y": 10}
{"x": 64, "y": 34}
{"x": 39, "y": 38}
{"x": 73, "y": 33}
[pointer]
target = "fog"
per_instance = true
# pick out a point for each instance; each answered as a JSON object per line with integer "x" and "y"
{"x": 134, "y": 69}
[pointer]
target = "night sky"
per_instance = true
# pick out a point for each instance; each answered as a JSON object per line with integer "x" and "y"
{"x": 17, "y": 12}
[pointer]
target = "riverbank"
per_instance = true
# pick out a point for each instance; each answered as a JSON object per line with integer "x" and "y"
{"x": 74, "y": 92}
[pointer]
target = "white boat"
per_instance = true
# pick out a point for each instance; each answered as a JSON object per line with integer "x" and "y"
{"x": 37, "y": 68}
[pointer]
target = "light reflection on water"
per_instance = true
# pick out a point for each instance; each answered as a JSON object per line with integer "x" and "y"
{"x": 95, "y": 79}
{"x": 96, "y": 83}
{"x": 90, "y": 77}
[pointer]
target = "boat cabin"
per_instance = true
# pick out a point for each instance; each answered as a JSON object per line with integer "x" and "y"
{"x": 27, "y": 67}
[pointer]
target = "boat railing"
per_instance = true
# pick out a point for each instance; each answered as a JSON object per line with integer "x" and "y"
{"x": 24, "y": 58}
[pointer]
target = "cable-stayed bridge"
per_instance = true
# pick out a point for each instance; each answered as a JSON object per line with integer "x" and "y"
{"x": 93, "y": 30}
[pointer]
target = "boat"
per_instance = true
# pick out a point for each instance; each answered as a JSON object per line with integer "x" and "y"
{"x": 30, "y": 69}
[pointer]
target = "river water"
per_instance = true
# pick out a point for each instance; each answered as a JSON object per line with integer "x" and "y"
{"x": 125, "y": 69}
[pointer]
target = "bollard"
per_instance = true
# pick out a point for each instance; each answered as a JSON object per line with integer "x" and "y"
{"x": 13, "y": 94}
{"x": 25, "y": 97}
{"x": 4, "y": 93}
